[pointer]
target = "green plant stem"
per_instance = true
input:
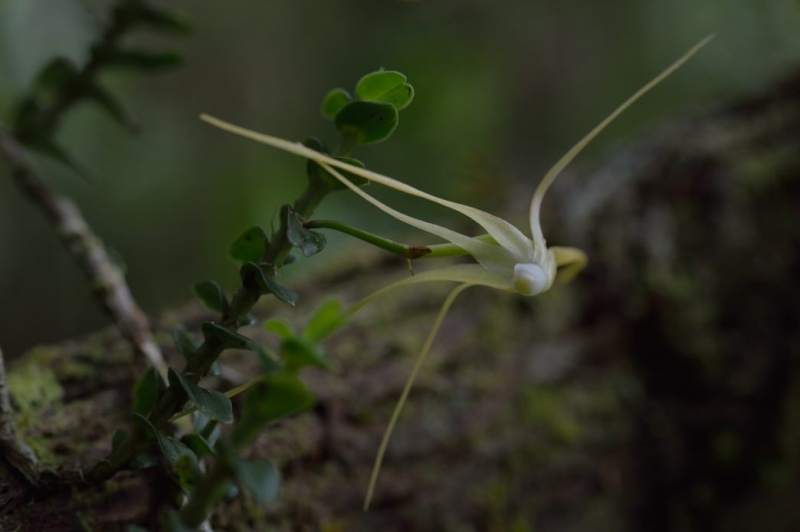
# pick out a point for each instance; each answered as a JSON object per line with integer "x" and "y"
{"x": 200, "y": 363}
{"x": 304, "y": 206}
{"x": 397, "y": 248}
{"x": 206, "y": 494}
{"x": 407, "y": 251}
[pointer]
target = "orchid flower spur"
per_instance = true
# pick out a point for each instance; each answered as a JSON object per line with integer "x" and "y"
{"x": 506, "y": 258}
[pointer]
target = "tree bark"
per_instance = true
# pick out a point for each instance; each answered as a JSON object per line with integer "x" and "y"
{"x": 658, "y": 391}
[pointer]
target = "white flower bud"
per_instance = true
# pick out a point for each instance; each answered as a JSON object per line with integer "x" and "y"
{"x": 529, "y": 279}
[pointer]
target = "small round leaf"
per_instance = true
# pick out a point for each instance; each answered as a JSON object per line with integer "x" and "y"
{"x": 376, "y": 85}
{"x": 334, "y": 101}
{"x": 367, "y": 122}
{"x": 250, "y": 246}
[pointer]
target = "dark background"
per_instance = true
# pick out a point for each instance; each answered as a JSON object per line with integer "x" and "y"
{"x": 502, "y": 91}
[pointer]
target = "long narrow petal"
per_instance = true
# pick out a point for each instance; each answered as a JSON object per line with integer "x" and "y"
{"x": 460, "y": 273}
{"x": 503, "y": 232}
{"x": 426, "y": 347}
{"x": 491, "y": 256}
{"x": 551, "y": 175}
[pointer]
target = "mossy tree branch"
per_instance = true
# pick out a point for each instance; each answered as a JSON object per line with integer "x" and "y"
{"x": 12, "y": 448}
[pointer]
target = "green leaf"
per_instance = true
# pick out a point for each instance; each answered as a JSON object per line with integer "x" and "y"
{"x": 185, "y": 341}
{"x": 367, "y": 122}
{"x": 163, "y": 19}
{"x": 385, "y": 86}
{"x": 213, "y": 404}
{"x": 309, "y": 242}
{"x": 117, "y": 437}
{"x": 187, "y": 472}
{"x": 252, "y": 273}
{"x": 171, "y": 521}
{"x": 279, "y": 327}
{"x": 251, "y": 245}
{"x": 143, "y": 461}
{"x": 53, "y": 150}
{"x": 172, "y": 448}
{"x": 227, "y": 339}
{"x": 206, "y": 428}
{"x": 268, "y": 361}
{"x": 211, "y": 294}
{"x": 334, "y": 101}
{"x": 299, "y": 353}
{"x": 141, "y": 60}
{"x": 201, "y": 446}
{"x": 326, "y": 320}
{"x": 24, "y": 115}
{"x": 260, "y": 477}
{"x": 279, "y": 396}
{"x": 140, "y": 461}
{"x": 148, "y": 391}
{"x": 316, "y": 145}
{"x": 53, "y": 77}
{"x": 319, "y": 175}
{"x": 112, "y": 106}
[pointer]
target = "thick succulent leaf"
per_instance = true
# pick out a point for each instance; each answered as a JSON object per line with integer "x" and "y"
{"x": 279, "y": 395}
{"x": 172, "y": 448}
{"x": 211, "y": 294}
{"x": 385, "y": 86}
{"x": 326, "y": 320}
{"x": 334, "y": 102}
{"x": 201, "y": 446}
{"x": 143, "y": 60}
{"x": 367, "y": 122}
{"x": 316, "y": 173}
{"x": 309, "y": 242}
{"x": 112, "y": 106}
{"x": 211, "y": 403}
{"x": 251, "y": 272}
{"x": 185, "y": 341}
{"x": 260, "y": 477}
{"x": 251, "y": 245}
{"x": 148, "y": 391}
{"x": 161, "y": 18}
{"x": 228, "y": 339}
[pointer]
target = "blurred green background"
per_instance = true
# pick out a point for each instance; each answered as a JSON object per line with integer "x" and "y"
{"x": 503, "y": 89}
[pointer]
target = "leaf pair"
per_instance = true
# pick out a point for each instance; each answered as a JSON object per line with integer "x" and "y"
{"x": 372, "y": 115}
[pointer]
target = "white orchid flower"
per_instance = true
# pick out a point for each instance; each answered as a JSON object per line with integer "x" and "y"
{"x": 509, "y": 260}
{"x": 506, "y": 258}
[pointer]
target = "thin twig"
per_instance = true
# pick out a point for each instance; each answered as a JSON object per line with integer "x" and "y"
{"x": 108, "y": 283}
{"x": 12, "y": 448}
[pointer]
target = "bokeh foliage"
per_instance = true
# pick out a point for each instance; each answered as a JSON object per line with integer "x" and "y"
{"x": 509, "y": 87}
